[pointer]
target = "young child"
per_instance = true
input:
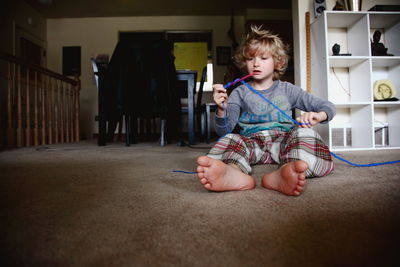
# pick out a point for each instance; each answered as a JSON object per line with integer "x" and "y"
{"x": 266, "y": 135}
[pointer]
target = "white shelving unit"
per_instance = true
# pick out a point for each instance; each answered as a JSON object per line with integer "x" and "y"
{"x": 348, "y": 81}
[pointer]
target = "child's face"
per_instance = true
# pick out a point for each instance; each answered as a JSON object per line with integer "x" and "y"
{"x": 262, "y": 65}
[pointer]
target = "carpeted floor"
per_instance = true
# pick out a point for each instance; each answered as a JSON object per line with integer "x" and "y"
{"x": 84, "y": 205}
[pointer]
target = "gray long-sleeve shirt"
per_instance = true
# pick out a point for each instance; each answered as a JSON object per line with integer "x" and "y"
{"x": 253, "y": 113}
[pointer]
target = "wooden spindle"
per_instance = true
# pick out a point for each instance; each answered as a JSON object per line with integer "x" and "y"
{"x": 35, "y": 110}
{"x": 55, "y": 105}
{"x": 50, "y": 111}
{"x": 27, "y": 111}
{"x": 62, "y": 112}
{"x": 10, "y": 128}
{"x": 67, "y": 110}
{"x": 76, "y": 108}
{"x": 43, "y": 105}
{"x": 71, "y": 113}
{"x": 19, "y": 108}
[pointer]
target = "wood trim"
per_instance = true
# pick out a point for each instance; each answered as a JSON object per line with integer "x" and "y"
{"x": 37, "y": 68}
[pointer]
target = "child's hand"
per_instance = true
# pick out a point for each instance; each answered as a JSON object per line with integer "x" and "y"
{"x": 220, "y": 98}
{"x": 310, "y": 119}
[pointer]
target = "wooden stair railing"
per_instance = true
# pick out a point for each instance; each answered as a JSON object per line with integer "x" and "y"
{"x": 37, "y": 106}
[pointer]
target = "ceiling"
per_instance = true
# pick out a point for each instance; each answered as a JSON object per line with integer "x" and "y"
{"x": 118, "y": 8}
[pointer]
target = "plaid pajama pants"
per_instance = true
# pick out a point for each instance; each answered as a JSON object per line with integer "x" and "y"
{"x": 275, "y": 147}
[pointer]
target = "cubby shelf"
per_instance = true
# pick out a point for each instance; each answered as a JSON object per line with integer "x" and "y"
{"x": 348, "y": 80}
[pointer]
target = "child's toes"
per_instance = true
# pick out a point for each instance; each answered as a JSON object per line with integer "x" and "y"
{"x": 299, "y": 188}
{"x": 200, "y": 169}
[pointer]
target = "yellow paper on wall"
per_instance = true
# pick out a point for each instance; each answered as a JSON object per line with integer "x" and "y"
{"x": 191, "y": 56}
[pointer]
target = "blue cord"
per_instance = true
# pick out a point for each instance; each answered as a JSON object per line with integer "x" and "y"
{"x": 364, "y": 165}
{"x": 231, "y": 83}
{"x": 296, "y": 122}
{"x": 184, "y": 172}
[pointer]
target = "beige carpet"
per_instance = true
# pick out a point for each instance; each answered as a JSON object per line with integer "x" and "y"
{"x": 84, "y": 205}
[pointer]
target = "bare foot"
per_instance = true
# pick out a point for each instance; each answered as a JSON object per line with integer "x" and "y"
{"x": 218, "y": 176}
{"x": 289, "y": 179}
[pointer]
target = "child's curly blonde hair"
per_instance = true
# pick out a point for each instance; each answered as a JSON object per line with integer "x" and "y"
{"x": 259, "y": 42}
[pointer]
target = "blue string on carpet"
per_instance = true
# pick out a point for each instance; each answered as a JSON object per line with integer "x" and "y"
{"x": 184, "y": 172}
{"x": 294, "y": 121}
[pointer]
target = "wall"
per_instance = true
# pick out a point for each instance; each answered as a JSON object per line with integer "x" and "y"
{"x": 18, "y": 19}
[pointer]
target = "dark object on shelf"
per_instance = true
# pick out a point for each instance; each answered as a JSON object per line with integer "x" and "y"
{"x": 340, "y": 5}
{"x": 385, "y": 8}
{"x": 336, "y": 50}
{"x": 388, "y": 99}
{"x": 378, "y": 48}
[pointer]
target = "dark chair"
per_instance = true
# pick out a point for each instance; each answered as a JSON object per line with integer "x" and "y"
{"x": 105, "y": 125}
{"x": 203, "y": 111}
{"x": 139, "y": 85}
{"x": 186, "y": 86}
